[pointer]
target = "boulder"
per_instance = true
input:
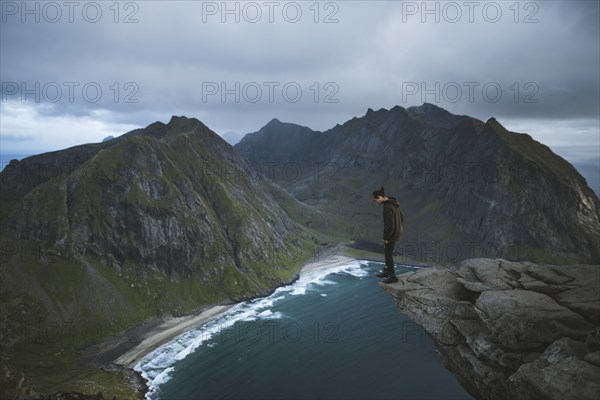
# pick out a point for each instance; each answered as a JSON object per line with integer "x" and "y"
{"x": 524, "y": 319}
{"x": 511, "y": 329}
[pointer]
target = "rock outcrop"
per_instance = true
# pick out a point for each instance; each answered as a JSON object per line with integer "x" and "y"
{"x": 511, "y": 330}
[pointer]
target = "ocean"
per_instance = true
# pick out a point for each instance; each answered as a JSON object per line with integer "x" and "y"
{"x": 334, "y": 333}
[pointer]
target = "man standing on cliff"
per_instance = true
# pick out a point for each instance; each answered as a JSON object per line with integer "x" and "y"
{"x": 392, "y": 231}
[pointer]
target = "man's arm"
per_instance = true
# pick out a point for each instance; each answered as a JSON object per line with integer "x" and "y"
{"x": 388, "y": 224}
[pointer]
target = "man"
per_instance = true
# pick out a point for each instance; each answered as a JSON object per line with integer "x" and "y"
{"x": 392, "y": 231}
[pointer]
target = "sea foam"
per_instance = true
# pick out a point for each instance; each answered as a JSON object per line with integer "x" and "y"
{"x": 157, "y": 366}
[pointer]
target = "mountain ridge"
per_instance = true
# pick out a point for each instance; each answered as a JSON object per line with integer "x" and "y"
{"x": 465, "y": 180}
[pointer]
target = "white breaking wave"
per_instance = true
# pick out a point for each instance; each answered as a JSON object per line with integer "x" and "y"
{"x": 409, "y": 266}
{"x": 157, "y": 366}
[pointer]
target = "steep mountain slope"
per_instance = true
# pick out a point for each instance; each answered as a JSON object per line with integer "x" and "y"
{"x": 161, "y": 220}
{"x": 467, "y": 188}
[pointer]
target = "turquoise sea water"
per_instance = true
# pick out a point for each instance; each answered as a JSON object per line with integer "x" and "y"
{"x": 333, "y": 334}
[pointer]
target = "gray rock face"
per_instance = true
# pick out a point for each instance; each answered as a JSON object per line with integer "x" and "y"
{"x": 469, "y": 185}
{"x": 511, "y": 330}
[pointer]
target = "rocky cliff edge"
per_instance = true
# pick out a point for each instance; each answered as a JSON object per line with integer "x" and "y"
{"x": 511, "y": 329}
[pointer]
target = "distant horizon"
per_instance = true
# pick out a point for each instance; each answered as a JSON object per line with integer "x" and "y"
{"x": 588, "y": 166}
{"x": 531, "y": 65}
{"x": 519, "y": 127}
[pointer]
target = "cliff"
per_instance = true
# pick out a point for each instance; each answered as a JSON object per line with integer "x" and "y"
{"x": 511, "y": 330}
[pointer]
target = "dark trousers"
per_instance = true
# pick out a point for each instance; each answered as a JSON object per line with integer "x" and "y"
{"x": 389, "y": 260}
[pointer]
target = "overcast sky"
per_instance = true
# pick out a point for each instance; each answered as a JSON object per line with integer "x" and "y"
{"x": 76, "y": 72}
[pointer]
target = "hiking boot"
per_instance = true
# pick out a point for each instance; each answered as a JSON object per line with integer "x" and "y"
{"x": 384, "y": 274}
{"x": 390, "y": 279}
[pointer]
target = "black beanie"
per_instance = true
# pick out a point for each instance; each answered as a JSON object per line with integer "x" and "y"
{"x": 379, "y": 192}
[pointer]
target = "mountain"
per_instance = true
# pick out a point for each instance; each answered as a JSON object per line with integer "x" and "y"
{"x": 510, "y": 330}
{"x": 467, "y": 188}
{"x": 100, "y": 237}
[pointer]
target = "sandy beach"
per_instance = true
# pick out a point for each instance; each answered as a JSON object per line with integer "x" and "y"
{"x": 166, "y": 331}
{"x": 329, "y": 262}
{"x": 171, "y": 327}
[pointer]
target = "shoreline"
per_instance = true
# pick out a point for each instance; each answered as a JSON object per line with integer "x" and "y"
{"x": 156, "y": 332}
{"x": 166, "y": 331}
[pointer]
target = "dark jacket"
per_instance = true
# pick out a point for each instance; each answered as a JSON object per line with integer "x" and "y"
{"x": 392, "y": 220}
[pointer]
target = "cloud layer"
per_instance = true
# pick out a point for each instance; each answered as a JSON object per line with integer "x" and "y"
{"x": 77, "y": 72}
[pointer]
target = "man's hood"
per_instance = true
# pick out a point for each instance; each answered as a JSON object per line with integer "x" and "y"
{"x": 392, "y": 201}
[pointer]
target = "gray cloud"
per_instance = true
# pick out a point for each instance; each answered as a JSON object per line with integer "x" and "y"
{"x": 376, "y": 55}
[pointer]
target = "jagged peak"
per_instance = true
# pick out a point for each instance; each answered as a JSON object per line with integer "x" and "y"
{"x": 177, "y": 125}
{"x": 184, "y": 118}
{"x": 437, "y": 116}
{"x": 370, "y": 111}
{"x": 275, "y": 125}
{"x": 422, "y": 110}
{"x": 274, "y": 122}
{"x": 156, "y": 124}
{"x": 432, "y": 110}
{"x": 493, "y": 124}
{"x": 428, "y": 108}
{"x": 397, "y": 108}
{"x": 184, "y": 122}
{"x": 491, "y": 120}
